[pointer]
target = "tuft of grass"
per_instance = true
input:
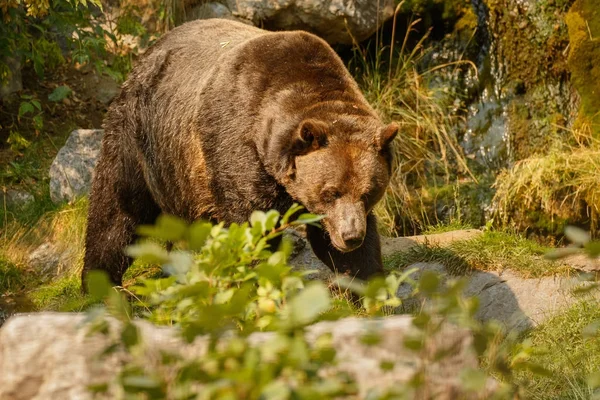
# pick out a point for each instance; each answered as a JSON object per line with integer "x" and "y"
{"x": 62, "y": 294}
{"x": 491, "y": 251}
{"x": 498, "y": 250}
{"x": 64, "y": 226}
{"x": 454, "y": 225}
{"x": 561, "y": 187}
{"x": 12, "y": 278}
{"x": 567, "y": 353}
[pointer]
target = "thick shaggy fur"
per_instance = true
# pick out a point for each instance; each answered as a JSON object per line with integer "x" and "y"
{"x": 219, "y": 119}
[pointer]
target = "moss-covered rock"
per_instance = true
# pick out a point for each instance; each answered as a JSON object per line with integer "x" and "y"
{"x": 583, "y": 20}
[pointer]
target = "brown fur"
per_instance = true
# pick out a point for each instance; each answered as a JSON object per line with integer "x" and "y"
{"x": 219, "y": 119}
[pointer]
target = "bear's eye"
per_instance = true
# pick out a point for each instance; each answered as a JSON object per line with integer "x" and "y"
{"x": 330, "y": 195}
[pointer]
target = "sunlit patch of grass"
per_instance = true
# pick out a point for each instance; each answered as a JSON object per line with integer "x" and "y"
{"x": 62, "y": 294}
{"x": 491, "y": 251}
{"x": 561, "y": 186}
{"x": 446, "y": 227}
{"x": 63, "y": 226}
{"x": 568, "y": 354}
{"x": 497, "y": 250}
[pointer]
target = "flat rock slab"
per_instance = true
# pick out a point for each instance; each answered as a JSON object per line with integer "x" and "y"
{"x": 52, "y": 356}
{"x": 518, "y": 303}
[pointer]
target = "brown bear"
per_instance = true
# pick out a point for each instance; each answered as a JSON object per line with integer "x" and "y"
{"x": 218, "y": 119}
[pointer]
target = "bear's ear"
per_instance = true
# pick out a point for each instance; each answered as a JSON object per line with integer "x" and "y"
{"x": 386, "y": 136}
{"x": 311, "y": 135}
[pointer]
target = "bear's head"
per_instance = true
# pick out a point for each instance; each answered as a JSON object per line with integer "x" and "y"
{"x": 340, "y": 169}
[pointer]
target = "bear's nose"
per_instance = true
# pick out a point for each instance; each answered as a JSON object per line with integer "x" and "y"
{"x": 353, "y": 243}
{"x": 352, "y": 236}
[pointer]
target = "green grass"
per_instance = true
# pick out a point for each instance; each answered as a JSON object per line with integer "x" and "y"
{"x": 12, "y": 278}
{"x": 545, "y": 192}
{"x": 62, "y": 294}
{"x": 568, "y": 354}
{"x": 497, "y": 250}
{"x": 491, "y": 251}
{"x": 446, "y": 227}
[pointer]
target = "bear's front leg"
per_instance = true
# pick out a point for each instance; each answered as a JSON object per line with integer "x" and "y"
{"x": 119, "y": 202}
{"x": 363, "y": 263}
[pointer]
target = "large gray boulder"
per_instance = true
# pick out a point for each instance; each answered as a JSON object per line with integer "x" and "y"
{"x": 336, "y": 21}
{"x": 53, "y": 356}
{"x": 71, "y": 171}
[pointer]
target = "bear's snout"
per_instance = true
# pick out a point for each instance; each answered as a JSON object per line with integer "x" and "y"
{"x": 351, "y": 227}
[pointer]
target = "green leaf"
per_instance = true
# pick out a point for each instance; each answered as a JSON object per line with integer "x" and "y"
{"x": 149, "y": 252}
{"x": 592, "y": 249}
{"x": 306, "y": 306}
{"x": 429, "y": 282}
{"x": 98, "y": 284}
{"x": 257, "y": 220}
{"x": 290, "y": 212}
{"x": 276, "y": 390}
{"x": 536, "y": 369}
{"x": 371, "y": 338}
{"x": 17, "y": 142}
{"x": 167, "y": 228}
{"x": 386, "y": 365}
{"x": 38, "y": 122}
{"x": 473, "y": 380}
{"x": 25, "y": 107}
{"x": 36, "y": 104}
{"x": 60, "y": 93}
{"x": 271, "y": 219}
{"x": 413, "y": 342}
{"x": 198, "y": 232}
{"x": 139, "y": 383}
{"x": 307, "y": 219}
{"x": 130, "y": 335}
{"x": 577, "y": 235}
{"x": 561, "y": 253}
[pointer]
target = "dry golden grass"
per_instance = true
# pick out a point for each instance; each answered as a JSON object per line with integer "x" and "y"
{"x": 563, "y": 185}
{"x": 64, "y": 227}
{"x": 426, "y": 148}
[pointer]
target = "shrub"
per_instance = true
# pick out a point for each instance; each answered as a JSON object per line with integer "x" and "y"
{"x": 226, "y": 283}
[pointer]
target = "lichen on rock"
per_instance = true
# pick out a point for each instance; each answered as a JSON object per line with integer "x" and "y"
{"x": 583, "y": 21}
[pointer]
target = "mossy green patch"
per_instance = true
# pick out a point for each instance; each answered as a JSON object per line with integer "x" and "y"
{"x": 583, "y": 20}
{"x": 62, "y": 294}
{"x": 139, "y": 271}
{"x": 566, "y": 352}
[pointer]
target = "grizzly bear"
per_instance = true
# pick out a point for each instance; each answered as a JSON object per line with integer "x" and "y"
{"x": 218, "y": 119}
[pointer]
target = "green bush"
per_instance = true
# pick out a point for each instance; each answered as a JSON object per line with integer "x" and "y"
{"x": 225, "y": 283}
